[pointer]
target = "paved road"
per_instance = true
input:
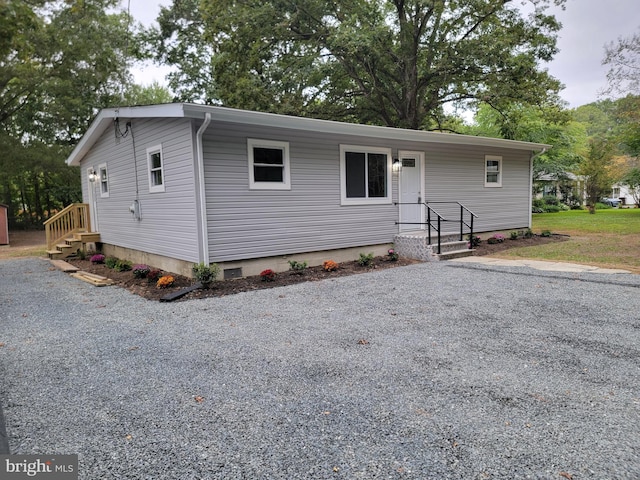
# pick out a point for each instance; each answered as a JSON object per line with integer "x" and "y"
{"x": 432, "y": 371}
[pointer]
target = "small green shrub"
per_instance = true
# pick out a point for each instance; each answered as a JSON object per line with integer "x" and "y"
{"x": 545, "y": 233}
{"x": 603, "y": 206}
{"x": 365, "y": 260}
{"x": 550, "y": 200}
{"x": 297, "y": 267}
{"x": 492, "y": 240}
{"x": 123, "y": 266}
{"x": 206, "y": 274}
{"x": 552, "y": 209}
{"x": 528, "y": 233}
{"x": 110, "y": 262}
{"x": 513, "y": 236}
{"x": 474, "y": 242}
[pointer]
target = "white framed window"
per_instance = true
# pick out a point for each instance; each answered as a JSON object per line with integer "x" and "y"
{"x": 365, "y": 175}
{"x": 103, "y": 178}
{"x": 269, "y": 165}
{"x": 155, "y": 165}
{"x": 492, "y": 171}
{"x": 616, "y": 192}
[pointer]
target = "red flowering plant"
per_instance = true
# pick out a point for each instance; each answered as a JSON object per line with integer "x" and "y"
{"x": 268, "y": 275}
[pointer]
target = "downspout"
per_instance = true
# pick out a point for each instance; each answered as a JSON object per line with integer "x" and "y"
{"x": 204, "y": 251}
{"x": 533, "y": 156}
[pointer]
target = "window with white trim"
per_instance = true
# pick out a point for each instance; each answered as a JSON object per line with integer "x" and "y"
{"x": 492, "y": 171}
{"x": 155, "y": 165}
{"x": 365, "y": 175}
{"x": 269, "y": 167}
{"x": 103, "y": 178}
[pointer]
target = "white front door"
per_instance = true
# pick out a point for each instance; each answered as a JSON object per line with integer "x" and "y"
{"x": 411, "y": 190}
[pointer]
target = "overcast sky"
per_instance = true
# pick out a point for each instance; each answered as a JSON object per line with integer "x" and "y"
{"x": 588, "y": 25}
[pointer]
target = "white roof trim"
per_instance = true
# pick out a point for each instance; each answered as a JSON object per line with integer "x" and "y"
{"x": 245, "y": 117}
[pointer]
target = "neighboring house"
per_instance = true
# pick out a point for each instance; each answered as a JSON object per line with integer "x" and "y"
{"x": 567, "y": 186}
{"x": 625, "y": 195}
{"x": 177, "y": 184}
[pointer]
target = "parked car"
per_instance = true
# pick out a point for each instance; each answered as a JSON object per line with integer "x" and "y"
{"x": 614, "y": 202}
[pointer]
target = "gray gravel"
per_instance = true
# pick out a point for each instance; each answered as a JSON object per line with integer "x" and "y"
{"x": 433, "y": 371}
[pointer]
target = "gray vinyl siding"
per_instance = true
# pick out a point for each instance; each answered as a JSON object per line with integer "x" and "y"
{"x": 456, "y": 173}
{"x": 169, "y": 219}
{"x": 246, "y": 223}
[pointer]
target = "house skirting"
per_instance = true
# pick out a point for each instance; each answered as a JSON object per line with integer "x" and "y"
{"x": 248, "y": 267}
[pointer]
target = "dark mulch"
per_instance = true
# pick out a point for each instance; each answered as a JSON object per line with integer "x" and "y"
{"x": 149, "y": 290}
{"x": 229, "y": 287}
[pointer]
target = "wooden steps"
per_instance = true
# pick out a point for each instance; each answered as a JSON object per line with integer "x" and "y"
{"x": 72, "y": 244}
{"x": 64, "y": 266}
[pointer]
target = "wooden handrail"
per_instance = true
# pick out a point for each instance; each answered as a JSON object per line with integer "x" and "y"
{"x": 73, "y": 218}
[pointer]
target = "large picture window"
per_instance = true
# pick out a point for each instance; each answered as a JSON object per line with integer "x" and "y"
{"x": 268, "y": 165}
{"x": 155, "y": 164}
{"x": 365, "y": 175}
{"x": 492, "y": 171}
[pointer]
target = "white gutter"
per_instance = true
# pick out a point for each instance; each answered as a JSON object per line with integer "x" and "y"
{"x": 533, "y": 156}
{"x": 202, "y": 191}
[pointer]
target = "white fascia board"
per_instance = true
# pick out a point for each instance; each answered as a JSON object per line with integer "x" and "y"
{"x": 106, "y": 117}
{"x": 341, "y": 128}
{"x": 246, "y": 117}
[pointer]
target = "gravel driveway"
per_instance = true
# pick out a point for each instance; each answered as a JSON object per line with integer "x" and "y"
{"x": 433, "y": 371}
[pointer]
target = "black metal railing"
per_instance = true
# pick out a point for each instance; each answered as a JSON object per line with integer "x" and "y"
{"x": 440, "y": 219}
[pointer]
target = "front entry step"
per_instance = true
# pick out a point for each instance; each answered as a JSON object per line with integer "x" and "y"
{"x": 416, "y": 245}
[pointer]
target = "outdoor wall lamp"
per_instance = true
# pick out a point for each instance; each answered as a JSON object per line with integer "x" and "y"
{"x": 396, "y": 165}
{"x": 93, "y": 176}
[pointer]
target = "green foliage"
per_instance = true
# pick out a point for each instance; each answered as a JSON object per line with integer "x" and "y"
{"x": 545, "y": 233}
{"x": 140, "y": 271}
{"x": 528, "y": 233}
{"x": 595, "y": 169}
{"x": 111, "y": 262}
{"x": 297, "y": 267}
{"x": 365, "y": 260}
{"x": 513, "y": 235}
{"x": 123, "y": 266}
{"x": 389, "y": 63}
{"x": 206, "y": 274}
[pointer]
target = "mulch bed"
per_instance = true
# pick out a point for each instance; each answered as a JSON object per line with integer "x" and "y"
{"x": 149, "y": 290}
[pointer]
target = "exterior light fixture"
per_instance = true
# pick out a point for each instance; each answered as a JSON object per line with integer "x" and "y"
{"x": 93, "y": 176}
{"x": 396, "y": 165}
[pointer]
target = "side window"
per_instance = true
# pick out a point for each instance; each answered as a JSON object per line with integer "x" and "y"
{"x": 155, "y": 165}
{"x": 269, "y": 167}
{"x": 103, "y": 177}
{"x": 365, "y": 175}
{"x": 492, "y": 171}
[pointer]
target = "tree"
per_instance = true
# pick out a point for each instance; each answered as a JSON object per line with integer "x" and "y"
{"x": 59, "y": 63}
{"x": 595, "y": 169}
{"x": 623, "y": 58}
{"x": 632, "y": 181}
{"x": 549, "y": 125}
{"x": 389, "y": 62}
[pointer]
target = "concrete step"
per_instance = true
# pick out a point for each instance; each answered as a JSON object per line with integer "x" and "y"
{"x": 455, "y": 254}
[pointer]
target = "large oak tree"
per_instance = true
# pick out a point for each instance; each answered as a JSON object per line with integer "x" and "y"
{"x": 389, "y": 62}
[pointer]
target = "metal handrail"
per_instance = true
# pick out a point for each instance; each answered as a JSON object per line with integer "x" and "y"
{"x": 441, "y": 219}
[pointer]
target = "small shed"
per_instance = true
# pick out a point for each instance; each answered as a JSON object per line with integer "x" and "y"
{"x": 4, "y": 225}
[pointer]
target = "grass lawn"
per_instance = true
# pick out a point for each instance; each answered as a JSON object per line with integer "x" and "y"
{"x": 609, "y": 238}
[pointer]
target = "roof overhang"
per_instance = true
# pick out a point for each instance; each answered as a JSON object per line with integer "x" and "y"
{"x": 244, "y": 117}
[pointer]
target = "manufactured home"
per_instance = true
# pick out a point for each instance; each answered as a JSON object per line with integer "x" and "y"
{"x": 177, "y": 184}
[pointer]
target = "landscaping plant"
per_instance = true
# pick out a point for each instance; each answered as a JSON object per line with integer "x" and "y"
{"x": 297, "y": 267}
{"x": 206, "y": 274}
{"x": 365, "y": 260}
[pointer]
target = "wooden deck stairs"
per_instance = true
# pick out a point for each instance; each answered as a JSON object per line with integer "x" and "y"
{"x": 72, "y": 244}
{"x": 69, "y": 231}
